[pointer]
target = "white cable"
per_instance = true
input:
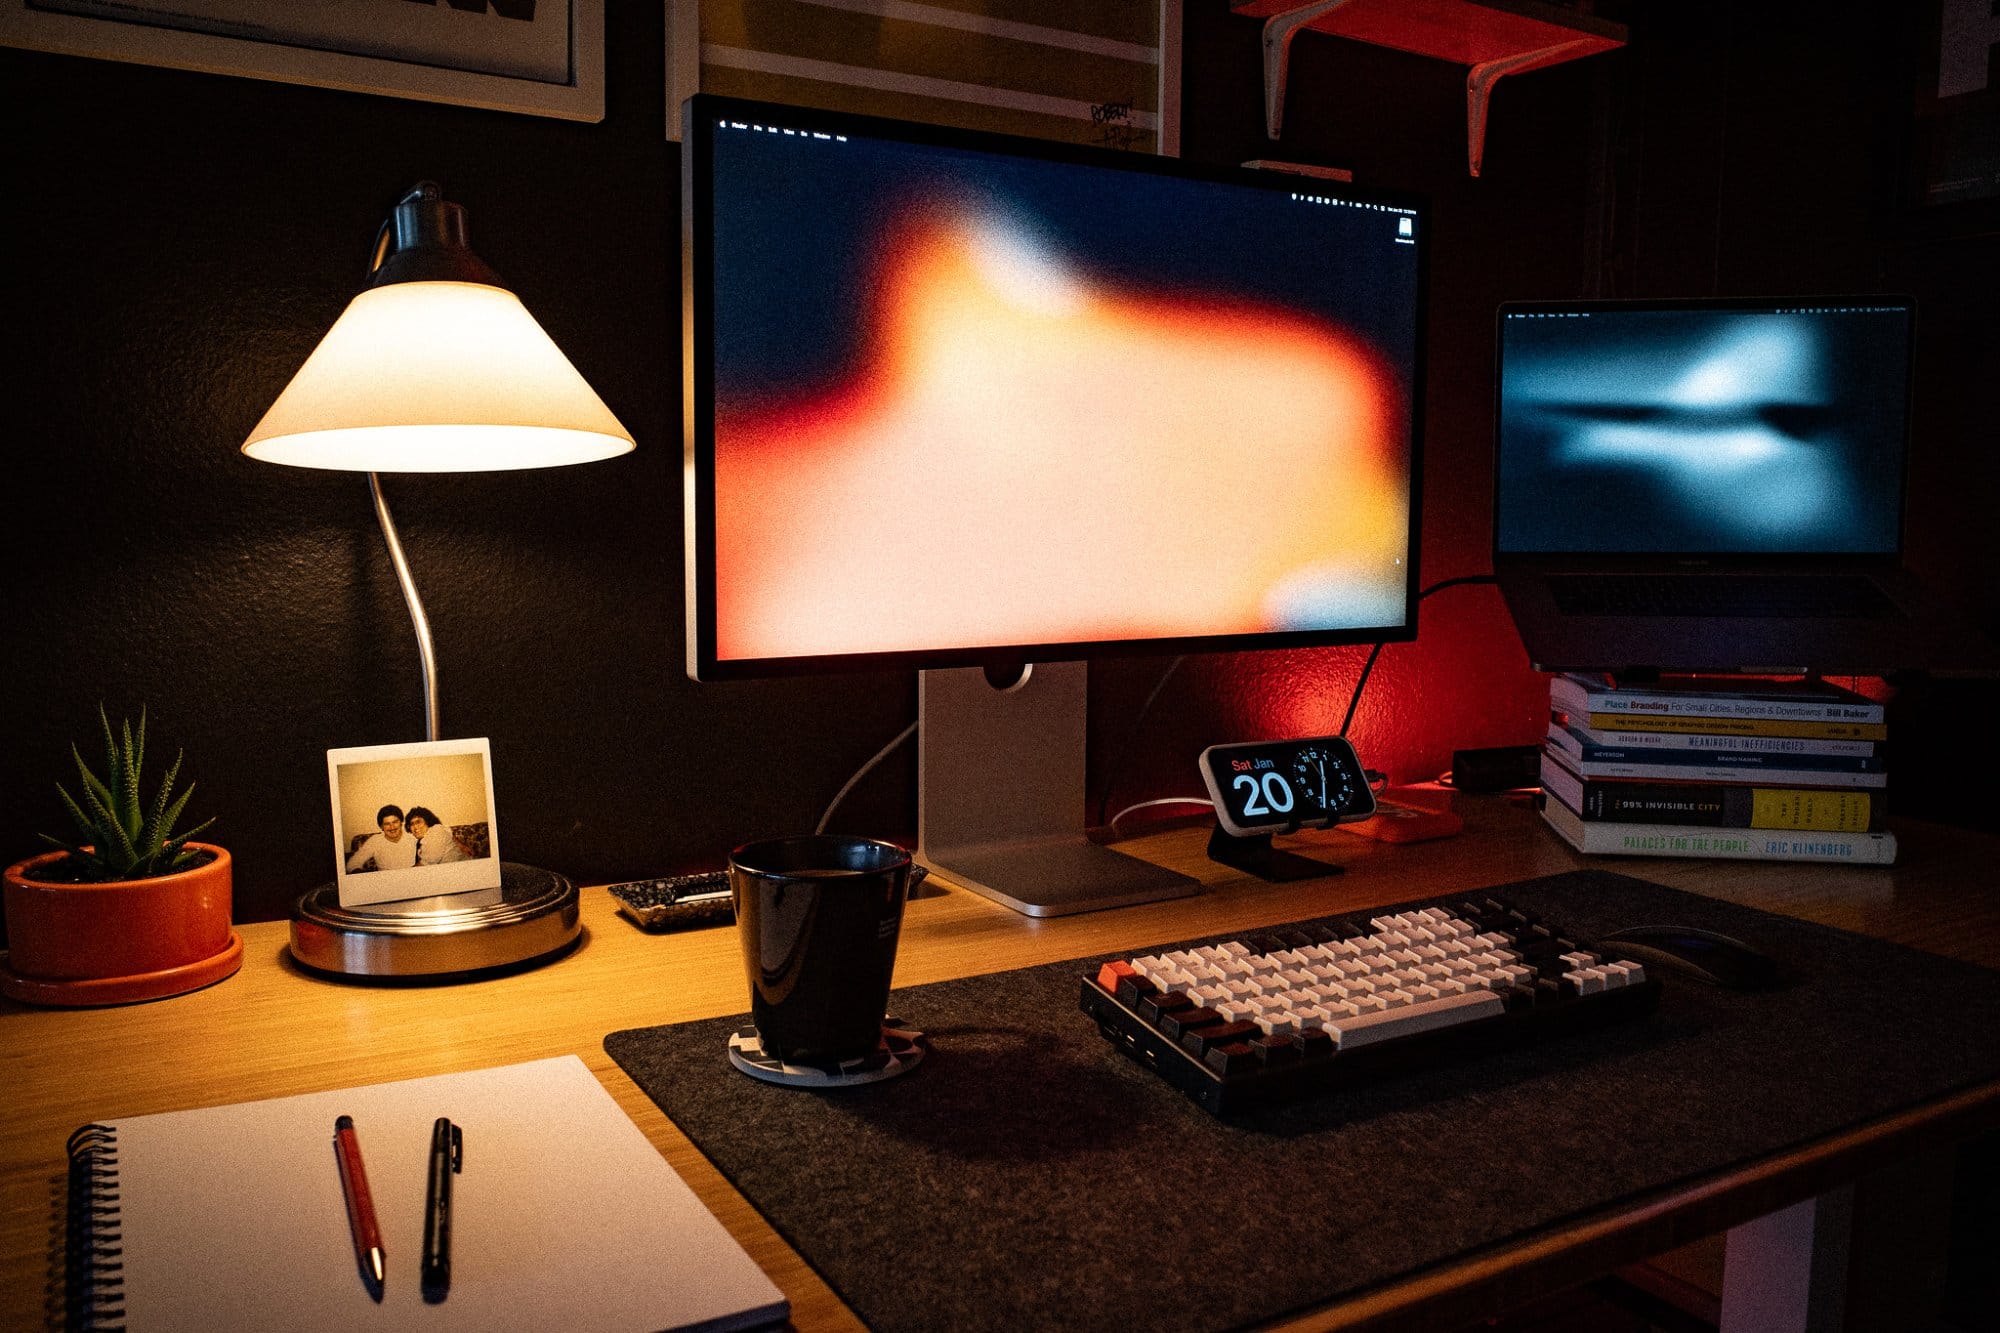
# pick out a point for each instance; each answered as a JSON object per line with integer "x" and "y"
{"x": 1164, "y": 800}
{"x": 861, "y": 773}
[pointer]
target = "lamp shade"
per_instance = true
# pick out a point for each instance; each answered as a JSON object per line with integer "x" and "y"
{"x": 436, "y": 377}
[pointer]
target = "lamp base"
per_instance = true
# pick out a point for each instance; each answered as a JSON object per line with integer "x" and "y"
{"x": 532, "y": 917}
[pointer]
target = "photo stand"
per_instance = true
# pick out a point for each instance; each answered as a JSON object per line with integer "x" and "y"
{"x": 533, "y": 917}
{"x": 1256, "y": 856}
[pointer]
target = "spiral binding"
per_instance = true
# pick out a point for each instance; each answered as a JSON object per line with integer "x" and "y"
{"x": 94, "y": 1281}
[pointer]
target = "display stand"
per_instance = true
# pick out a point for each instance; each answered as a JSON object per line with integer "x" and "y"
{"x": 1256, "y": 856}
{"x": 1000, "y": 796}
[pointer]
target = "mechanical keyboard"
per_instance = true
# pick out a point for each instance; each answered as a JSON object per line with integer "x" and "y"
{"x": 1298, "y": 1010}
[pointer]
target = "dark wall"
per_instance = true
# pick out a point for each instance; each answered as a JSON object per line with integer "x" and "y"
{"x": 183, "y": 240}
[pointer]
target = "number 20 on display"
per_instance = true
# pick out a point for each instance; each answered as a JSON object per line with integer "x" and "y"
{"x": 1273, "y": 788}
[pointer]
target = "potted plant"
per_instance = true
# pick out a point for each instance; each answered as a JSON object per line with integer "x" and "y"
{"x": 130, "y": 911}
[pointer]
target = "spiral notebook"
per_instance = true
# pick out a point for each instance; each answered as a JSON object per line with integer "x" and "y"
{"x": 564, "y": 1215}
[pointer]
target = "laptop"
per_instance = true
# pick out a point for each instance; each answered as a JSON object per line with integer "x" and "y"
{"x": 1713, "y": 486}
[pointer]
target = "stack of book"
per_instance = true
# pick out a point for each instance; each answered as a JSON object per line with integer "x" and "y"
{"x": 1711, "y": 766}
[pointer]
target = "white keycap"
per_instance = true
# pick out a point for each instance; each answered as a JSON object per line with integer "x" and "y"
{"x": 1235, "y": 1011}
{"x": 1589, "y": 981}
{"x": 1443, "y": 1012}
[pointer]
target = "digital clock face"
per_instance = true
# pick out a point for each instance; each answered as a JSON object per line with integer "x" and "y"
{"x": 1280, "y": 786}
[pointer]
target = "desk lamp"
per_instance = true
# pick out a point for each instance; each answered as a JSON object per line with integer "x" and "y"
{"x": 434, "y": 367}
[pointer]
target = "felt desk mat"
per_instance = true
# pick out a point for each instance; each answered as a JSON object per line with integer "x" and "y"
{"x": 1027, "y": 1175}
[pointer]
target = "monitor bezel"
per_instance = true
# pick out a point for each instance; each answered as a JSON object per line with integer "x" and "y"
{"x": 1696, "y": 560}
{"x": 698, "y": 116}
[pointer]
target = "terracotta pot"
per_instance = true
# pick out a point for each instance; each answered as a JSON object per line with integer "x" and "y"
{"x": 62, "y": 938}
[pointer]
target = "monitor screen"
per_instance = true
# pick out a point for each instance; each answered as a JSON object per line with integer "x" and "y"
{"x": 1718, "y": 427}
{"x": 959, "y": 399}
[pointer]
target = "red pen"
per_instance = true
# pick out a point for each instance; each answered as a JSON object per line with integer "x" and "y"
{"x": 360, "y": 1205}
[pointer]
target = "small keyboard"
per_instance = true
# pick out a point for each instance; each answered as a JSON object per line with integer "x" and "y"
{"x": 1296, "y": 1011}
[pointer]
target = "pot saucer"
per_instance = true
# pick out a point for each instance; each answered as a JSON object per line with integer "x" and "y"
{"x": 79, "y": 992}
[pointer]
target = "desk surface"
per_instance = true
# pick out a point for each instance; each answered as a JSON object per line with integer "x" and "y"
{"x": 273, "y": 1030}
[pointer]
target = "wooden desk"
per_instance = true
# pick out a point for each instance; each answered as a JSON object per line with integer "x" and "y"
{"x": 273, "y": 1030}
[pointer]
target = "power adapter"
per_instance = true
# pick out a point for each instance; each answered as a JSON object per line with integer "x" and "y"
{"x": 1498, "y": 768}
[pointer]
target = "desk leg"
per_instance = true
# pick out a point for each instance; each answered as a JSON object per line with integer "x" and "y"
{"x": 1865, "y": 1256}
{"x": 1786, "y": 1272}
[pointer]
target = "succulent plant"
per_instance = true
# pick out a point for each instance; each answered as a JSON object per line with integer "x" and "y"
{"x": 123, "y": 838}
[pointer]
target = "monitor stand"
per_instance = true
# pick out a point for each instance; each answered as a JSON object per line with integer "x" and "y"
{"x": 1000, "y": 795}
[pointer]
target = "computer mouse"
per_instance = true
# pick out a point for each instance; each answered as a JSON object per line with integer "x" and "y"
{"x": 1721, "y": 960}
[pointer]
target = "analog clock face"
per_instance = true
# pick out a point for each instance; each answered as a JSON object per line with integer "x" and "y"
{"x": 1324, "y": 783}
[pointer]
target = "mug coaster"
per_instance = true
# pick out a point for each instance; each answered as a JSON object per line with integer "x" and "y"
{"x": 901, "y": 1049}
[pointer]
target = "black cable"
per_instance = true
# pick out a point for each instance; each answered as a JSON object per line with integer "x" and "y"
{"x": 1355, "y": 701}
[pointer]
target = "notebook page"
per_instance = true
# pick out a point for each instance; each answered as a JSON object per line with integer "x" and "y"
{"x": 564, "y": 1215}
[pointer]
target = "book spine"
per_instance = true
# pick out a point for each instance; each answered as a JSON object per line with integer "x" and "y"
{"x": 1782, "y": 746}
{"x": 1649, "y": 757}
{"x": 1715, "y": 805}
{"x": 1712, "y": 805}
{"x": 93, "y": 1274}
{"x": 1735, "y": 726}
{"x": 1583, "y": 698}
{"x": 1727, "y": 844}
{"x": 1765, "y": 777}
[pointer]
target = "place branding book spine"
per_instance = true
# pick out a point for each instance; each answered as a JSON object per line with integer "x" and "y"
{"x": 1629, "y": 839}
{"x": 1676, "y": 764}
{"x": 1615, "y": 737}
{"x": 1710, "y": 804}
{"x": 1775, "y": 701}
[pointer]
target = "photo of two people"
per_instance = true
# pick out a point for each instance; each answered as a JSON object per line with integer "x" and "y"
{"x": 415, "y": 837}
{"x": 413, "y": 821}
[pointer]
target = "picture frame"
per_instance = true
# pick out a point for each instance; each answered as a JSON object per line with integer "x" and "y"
{"x": 975, "y": 67}
{"x": 536, "y": 57}
{"x": 1951, "y": 170}
{"x": 413, "y": 821}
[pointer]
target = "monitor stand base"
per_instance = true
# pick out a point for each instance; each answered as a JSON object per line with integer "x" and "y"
{"x": 1000, "y": 804}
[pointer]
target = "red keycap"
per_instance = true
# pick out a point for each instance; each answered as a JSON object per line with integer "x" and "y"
{"x": 1109, "y": 975}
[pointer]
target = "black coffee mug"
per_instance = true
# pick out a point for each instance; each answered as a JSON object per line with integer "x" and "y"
{"x": 819, "y": 918}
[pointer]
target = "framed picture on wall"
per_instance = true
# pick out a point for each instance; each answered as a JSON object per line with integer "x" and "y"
{"x": 413, "y": 821}
{"x": 542, "y": 57}
{"x": 1107, "y": 73}
{"x": 1953, "y": 172}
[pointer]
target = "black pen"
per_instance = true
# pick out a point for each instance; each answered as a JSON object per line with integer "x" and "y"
{"x": 447, "y": 1158}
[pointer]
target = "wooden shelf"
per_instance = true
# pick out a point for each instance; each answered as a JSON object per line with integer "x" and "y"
{"x": 1494, "y": 38}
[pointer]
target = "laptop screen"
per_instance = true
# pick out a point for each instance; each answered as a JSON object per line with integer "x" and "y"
{"x": 1713, "y": 428}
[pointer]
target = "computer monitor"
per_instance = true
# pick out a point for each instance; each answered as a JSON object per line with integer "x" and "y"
{"x": 958, "y": 400}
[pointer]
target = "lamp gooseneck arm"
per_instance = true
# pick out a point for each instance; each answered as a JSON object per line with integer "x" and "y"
{"x": 416, "y": 604}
